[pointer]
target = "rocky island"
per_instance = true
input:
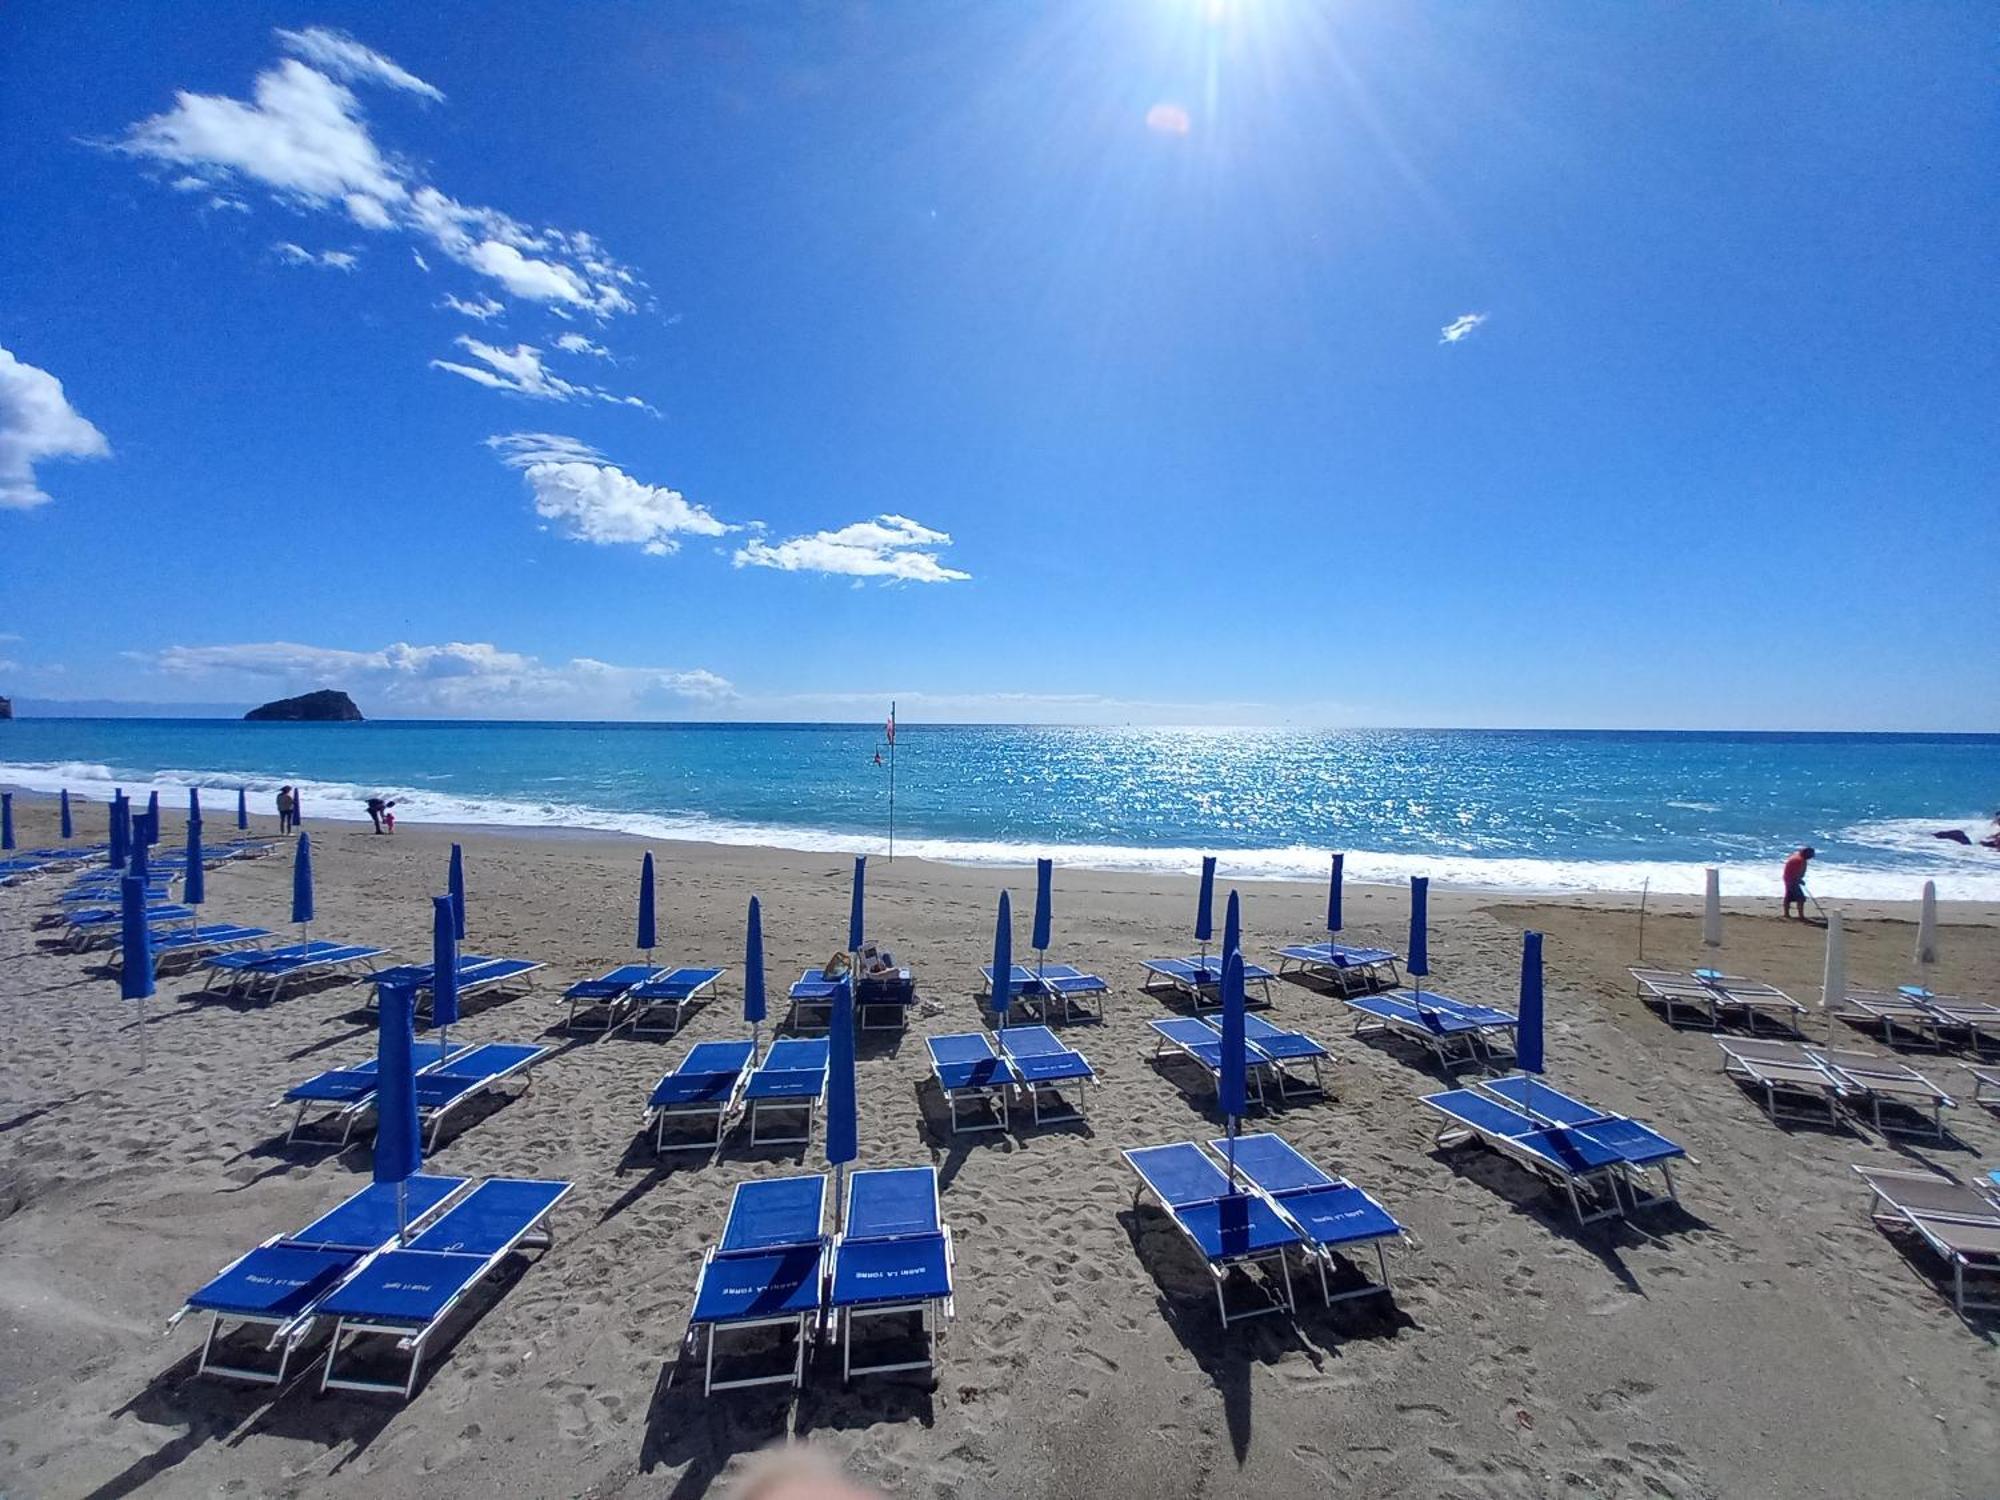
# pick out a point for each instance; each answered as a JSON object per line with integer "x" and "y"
{"x": 327, "y": 706}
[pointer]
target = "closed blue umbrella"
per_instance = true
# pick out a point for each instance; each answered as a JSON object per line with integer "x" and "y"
{"x": 135, "y": 956}
{"x": 153, "y": 816}
{"x": 302, "y": 882}
{"x": 1232, "y": 928}
{"x": 455, "y": 884}
{"x": 1333, "y": 893}
{"x": 1528, "y": 1032}
{"x": 1232, "y": 1086}
{"x": 194, "y": 881}
{"x": 753, "y": 976}
{"x": 1204, "y": 906}
{"x": 121, "y": 833}
{"x": 6, "y": 820}
{"x": 242, "y": 807}
{"x": 842, "y": 1123}
{"x": 856, "y": 933}
{"x": 1418, "y": 960}
{"x": 1045, "y": 871}
{"x": 68, "y": 825}
{"x": 139, "y": 862}
{"x": 649, "y": 935}
{"x": 1003, "y": 961}
{"x": 444, "y": 967}
{"x": 399, "y": 1141}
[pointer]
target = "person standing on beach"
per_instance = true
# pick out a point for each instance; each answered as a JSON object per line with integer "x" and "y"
{"x": 1795, "y": 880}
{"x": 376, "y": 807}
{"x": 286, "y": 803}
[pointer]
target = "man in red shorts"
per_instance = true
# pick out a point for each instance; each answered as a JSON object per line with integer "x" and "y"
{"x": 1795, "y": 880}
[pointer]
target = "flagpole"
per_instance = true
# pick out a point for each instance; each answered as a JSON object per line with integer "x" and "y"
{"x": 892, "y": 779}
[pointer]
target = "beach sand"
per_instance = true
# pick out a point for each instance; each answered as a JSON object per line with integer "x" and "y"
{"x": 1764, "y": 1341}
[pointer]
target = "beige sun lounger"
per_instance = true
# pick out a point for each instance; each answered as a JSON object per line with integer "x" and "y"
{"x": 1714, "y": 996}
{"x": 1897, "y": 1017}
{"x": 1784, "y": 1070}
{"x": 1877, "y": 1079}
{"x": 1960, "y": 1225}
{"x": 1985, "y": 1087}
{"x": 1979, "y": 1021}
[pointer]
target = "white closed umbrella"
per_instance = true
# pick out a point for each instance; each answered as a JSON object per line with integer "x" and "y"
{"x": 1711, "y": 910}
{"x": 1833, "y": 988}
{"x": 1927, "y": 925}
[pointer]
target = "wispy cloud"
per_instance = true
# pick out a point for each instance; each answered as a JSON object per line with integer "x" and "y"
{"x": 482, "y": 308}
{"x": 303, "y": 137}
{"x": 329, "y": 260}
{"x": 889, "y": 547}
{"x": 455, "y": 678}
{"x": 37, "y": 423}
{"x": 337, "y": 53}
{"x": 592, "y": 500}
{"x": 520, "y": 370}
{"x": 576, "y": 343}
{"x": 1461, "y": 327}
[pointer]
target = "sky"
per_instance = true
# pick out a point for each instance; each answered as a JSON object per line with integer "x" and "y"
{"x": 1171, "y": 361}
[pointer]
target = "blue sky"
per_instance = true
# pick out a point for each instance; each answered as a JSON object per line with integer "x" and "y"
{"x": 1146, "y": 360}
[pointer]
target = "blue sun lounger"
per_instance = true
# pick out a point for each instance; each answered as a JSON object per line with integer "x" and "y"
{"x": 1332, "y": 1215}
{"x": 1043, "y": 1063}
{"x": 1051, "y": 992}
{"x": 967, "y": 1066}
{"x": 1286, "y": 1050}
{"x": 1455, "y": 1031}
{"x": 705, "y": 1083}
{"x": 1349, "y": 969}
{"x": 1228, "y": 1230}
{"x": 467, "y": 1075}
{"x": 791, "y": 1080}
{"x": 215, "y": 937}
{"x": 280, "y": 1284}
{"x": 768, "y": 1271}
{"x": 255, "y": 967}
{"x": 1193, "y": 1038}
{"x": 893, "y": 1258}
{"x": 671, "y": 991}
{"x": 477, "y": 972}
{"x": 606, "y": 993}
{"x": 348, "y": 1093}
{"x": 407, "y": 1292}
{"x": 1600, "y": 1160}
{"x": 95, "y": 926}
{"x": 1199, "y": 980}
{"x": 875, "y": 995}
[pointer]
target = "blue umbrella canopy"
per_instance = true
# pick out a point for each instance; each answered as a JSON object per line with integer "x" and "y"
{"x": 1418, "y": 960}
{"x": 1003, "y": 960}
{"x": 856, "y": 933}
{"x": 1204, "y": 906}
{"x": 1044, "y": 904}
{"x": 842, "y": 1122}
{"x": 1232, "y": 1085}
{"x": 135, "y": 958}
{"x": 68, "y": 824}
{"x": 1232, "y": 927}
{"x": 399, "y": 1142}
{"x": 242, "y": 807}
{"x": 444, "y": 962}
{"x": 1333, "y": 893}
{"x": 753, "y": 965}
{"x": 455, "y": 884}
{"x": 1528, "y": 1034}
{"x": 194, "y": 880}
{"x": 153, "y": 816}
{"x": 6, "y": 820}
{"x": 302, "y": 881}
{"x": 649, "y": 932}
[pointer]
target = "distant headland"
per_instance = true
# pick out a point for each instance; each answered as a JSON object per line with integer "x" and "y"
{"x": 327, "y": 706}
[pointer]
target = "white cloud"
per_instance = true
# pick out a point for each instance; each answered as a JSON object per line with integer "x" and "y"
{"x": 1461, "y": 327}
{"x": 483, "y": 308}
{"x": 37, "y": 423}
{"x": 456, "y": 678}
{"x": 330, "y": 260}
{"x": 339, "y": 54}
{"x": 594, "y": 501}
{"x": 892, "y": 547}
{"x": 521, "y": 371}
{"x": 305, "y": 139}
{"x": 576, "y": 343}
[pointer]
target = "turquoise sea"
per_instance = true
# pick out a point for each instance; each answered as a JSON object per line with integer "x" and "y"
{"x": 1532, "y": 810}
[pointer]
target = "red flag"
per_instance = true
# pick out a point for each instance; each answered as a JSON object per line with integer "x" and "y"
{"x": 890, "y": 728}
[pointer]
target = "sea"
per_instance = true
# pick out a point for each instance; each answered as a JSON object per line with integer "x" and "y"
{"x": 1514, "y": 810}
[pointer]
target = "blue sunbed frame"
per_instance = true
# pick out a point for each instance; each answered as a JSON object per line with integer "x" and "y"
{"x": 1350, "y": 969}
{"x": 893, "y": 1257}
{"x": 791, "y": 1079}
{"x": 967, "y": 1066}
{"x": 1332, "y": 1215}
{"x": 1228, "y": 1230}
{"x": 767, "y": 1271}
{"x": 1199, "y": 980}
{"x": 672, "y": 992}
{"x": 706, "y": 1084}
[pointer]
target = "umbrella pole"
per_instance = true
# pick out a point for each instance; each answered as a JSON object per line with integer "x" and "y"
{"x": 1644, "y": 891}
{"x": 402, "y": 1210}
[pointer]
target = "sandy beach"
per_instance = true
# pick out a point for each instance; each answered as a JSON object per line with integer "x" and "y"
{"x": 1764, "y": 1340}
